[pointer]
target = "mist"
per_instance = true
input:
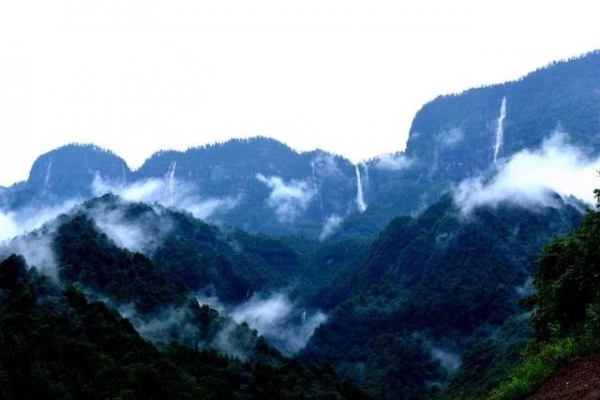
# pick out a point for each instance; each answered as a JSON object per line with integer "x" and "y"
{"x": 447, "y": 359}
{"x": 288, "y": 200}
{"x": 22, "y": 221}
{"x": 168, "y": 192}
{"x": 331, "y": 226}
{"x": 394, "y": 162}
{"x": 23, "y": 232}
{"x": 274, "y": 317}
{"x": 143, "y": 233}
{"x": 531, "y": 177}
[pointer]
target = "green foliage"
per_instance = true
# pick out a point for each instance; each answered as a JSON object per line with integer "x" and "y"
{"x": 56, "y": 344}
{"x": 565, "y": 308}
{"x": 538, "y": 362}
{"x": 436, "y": 280}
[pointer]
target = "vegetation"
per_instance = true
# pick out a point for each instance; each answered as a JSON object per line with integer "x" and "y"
{"x": 55, "y": 344}
{"x": 565, "y": 308}
{"x": 431, "y": 293}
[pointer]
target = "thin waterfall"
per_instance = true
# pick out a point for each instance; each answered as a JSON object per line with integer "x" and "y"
{"x": 500, "y": 130}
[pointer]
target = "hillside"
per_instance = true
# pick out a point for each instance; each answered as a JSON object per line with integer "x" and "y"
{"x": 433, "y": 289}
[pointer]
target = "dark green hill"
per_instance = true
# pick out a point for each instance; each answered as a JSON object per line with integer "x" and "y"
{"x": 55, "y": 344}
{"x": 431, "y": 287}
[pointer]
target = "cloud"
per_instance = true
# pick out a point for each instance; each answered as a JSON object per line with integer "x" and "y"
{"x": 169, "y": 192}
{"x": 29, "y": 231}
{"x": 24, "y": 232}
{"x": 142, "y": 233}
{"x": 394, "y": 162}
{"x": 28, "y": 219}
{"x": 531, "y": 177}
{"x": 289, "y": 200}
{"x": 36, "y": 248}
{"x": 274, "y": 317}
{"x": 331, "y": 226}
{"x": 325, "y": 165}
{"x": 210, "y": 206}
{"x": 165, "y": 326}
{"x": 448, "y": 360}
{"x": 448, "y": 138}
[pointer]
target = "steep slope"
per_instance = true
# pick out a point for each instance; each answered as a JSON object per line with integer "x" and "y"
{"x": 431, "y": 288}
{"x": 469, "y": 134}
{"x": 65, "y": 173}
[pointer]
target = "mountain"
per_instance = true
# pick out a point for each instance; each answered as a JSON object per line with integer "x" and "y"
{"x": 65, "y": 173}
{"x": 57, "y": 345}
{"x": 471, "y": 134}
{"x": 261, "y": 185}
{"x": 402, "y": 272}
{"x": 430, "y": 289}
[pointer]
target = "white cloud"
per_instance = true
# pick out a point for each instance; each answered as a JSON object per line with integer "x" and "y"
{"x": 331, "y": 226}
{"x": 325, "y": 165}
{"x": 531, "y": 176}
{"x": 394, "y": 162}
{"x": 288, "y": 200}
{"x": 25, "y": 220}
{"x": 142, "y": 233}
{"x": 448, "y": 360}
{"x": 169, "y": 192}
{"x": 274, "y": 317}
{"x": 450, "y": 137}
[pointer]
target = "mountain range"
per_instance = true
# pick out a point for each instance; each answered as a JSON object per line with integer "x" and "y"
{"x": 401, "y": 273}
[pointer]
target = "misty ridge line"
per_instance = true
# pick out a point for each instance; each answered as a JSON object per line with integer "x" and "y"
{"x": 274, "y": 316}
{"x": 523, "y": 178}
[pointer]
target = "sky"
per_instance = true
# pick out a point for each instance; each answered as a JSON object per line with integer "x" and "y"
{"x": 341, "y": 75}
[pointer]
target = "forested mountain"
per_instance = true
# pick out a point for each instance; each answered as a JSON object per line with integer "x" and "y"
{"x": 431, "y": 288}
{"x": 213, "y": 265}
{"x": 55, "y": 344}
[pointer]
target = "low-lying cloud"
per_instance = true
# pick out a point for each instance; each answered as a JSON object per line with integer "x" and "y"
{"x": 169, "y": 192}
{"x": 331, "y": 226}
{"x": 288, "y": 200}
{"x": 394, "y": 162}
{"x": 23, "y": 232}
{"x": 274, "y": 317}
{"x": 531, "y": 177}
{"x": 143, "y": 233}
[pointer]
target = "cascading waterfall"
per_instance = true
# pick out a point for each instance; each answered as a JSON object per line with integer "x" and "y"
{"x": 360, "y": 201}
{"x": 171, "y": 181}
{"x": 47, "y": 179}
{"x": 500, "y": 130}
{"x": 316, "y": 189}
{"x": 124, "y": 175}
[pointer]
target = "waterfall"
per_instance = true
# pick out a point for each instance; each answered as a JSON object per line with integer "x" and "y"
{"x": 124, "y": 175}
{"x": 316, "y": 189}
{"x": 360, "y": 201}
{"x": 500, "y": 130}
{"x": 47, "y": 179}
{"x": 171, "y": 179}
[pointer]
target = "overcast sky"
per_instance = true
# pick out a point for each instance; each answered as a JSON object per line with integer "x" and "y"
{"x": 344, "y": 76}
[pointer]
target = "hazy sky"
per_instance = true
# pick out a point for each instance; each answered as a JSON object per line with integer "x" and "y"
{"x": 345, "y": 76}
